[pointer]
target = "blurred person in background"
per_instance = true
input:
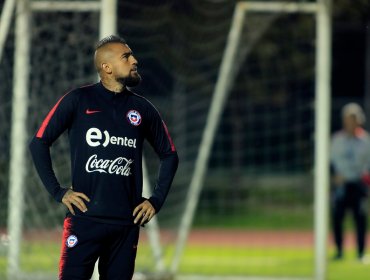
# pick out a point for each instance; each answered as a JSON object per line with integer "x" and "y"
{"x": 350, "y": 162}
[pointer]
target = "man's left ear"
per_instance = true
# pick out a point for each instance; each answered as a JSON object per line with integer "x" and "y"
{"x": 106, "y": 68}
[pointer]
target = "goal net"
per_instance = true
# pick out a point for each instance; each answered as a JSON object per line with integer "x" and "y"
{"x": 254, "y": 215}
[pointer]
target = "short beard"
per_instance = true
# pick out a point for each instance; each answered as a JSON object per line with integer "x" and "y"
{"x": 130, "y": 81}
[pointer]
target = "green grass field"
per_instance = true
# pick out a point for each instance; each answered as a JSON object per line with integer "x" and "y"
{"x": 215, "y": 260}
{"x": 203, "y": 259}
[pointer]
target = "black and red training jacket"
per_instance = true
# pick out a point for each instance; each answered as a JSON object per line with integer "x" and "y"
{"x": 106, "y": 132}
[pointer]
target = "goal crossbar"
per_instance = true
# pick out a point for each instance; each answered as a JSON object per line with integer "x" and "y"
{"x": 66, "y": 6}
{"x": 278, "y": 7}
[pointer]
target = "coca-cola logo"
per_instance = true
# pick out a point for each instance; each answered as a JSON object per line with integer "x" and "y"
{"x": 118, "y": 166}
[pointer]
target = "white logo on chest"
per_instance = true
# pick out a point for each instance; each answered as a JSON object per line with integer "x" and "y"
{"x": 95, "y": 138}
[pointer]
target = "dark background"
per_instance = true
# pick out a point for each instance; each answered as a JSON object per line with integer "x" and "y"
{"x": 351, "y": 23}
{"x": 161, "y": 67}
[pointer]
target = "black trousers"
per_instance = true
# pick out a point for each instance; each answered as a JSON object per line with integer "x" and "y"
{"x": 351, "y": 196}
{"x": 84, "y": 241}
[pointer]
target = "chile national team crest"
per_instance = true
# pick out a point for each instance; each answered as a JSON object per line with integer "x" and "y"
{"x": 134, "y": 117}
{"x": 71, "y": 241}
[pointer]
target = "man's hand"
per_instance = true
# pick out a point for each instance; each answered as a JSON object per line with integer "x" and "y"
{"x": 144, "y": 212}
{"x": 75, "y": 198}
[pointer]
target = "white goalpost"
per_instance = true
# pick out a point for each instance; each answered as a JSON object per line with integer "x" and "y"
{"x": 6, "y": 18}
{"x": 18, "y": 136}
{"x": 322, "y": 135}
{"x": 321, "y": 10}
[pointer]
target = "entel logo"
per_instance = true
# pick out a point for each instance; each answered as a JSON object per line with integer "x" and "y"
{"x": 94, "y": 138}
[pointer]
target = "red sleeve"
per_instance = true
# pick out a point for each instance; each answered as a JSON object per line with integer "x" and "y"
{"x": 158, "y": 136}
{"x": 55, "y": 123}
{"x": 58, "y": 119}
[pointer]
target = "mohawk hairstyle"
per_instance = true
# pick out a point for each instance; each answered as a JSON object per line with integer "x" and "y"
{"x": 110, "y": 39}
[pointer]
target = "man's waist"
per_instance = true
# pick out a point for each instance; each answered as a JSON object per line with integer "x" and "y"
{"x": 103, "y": 219}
